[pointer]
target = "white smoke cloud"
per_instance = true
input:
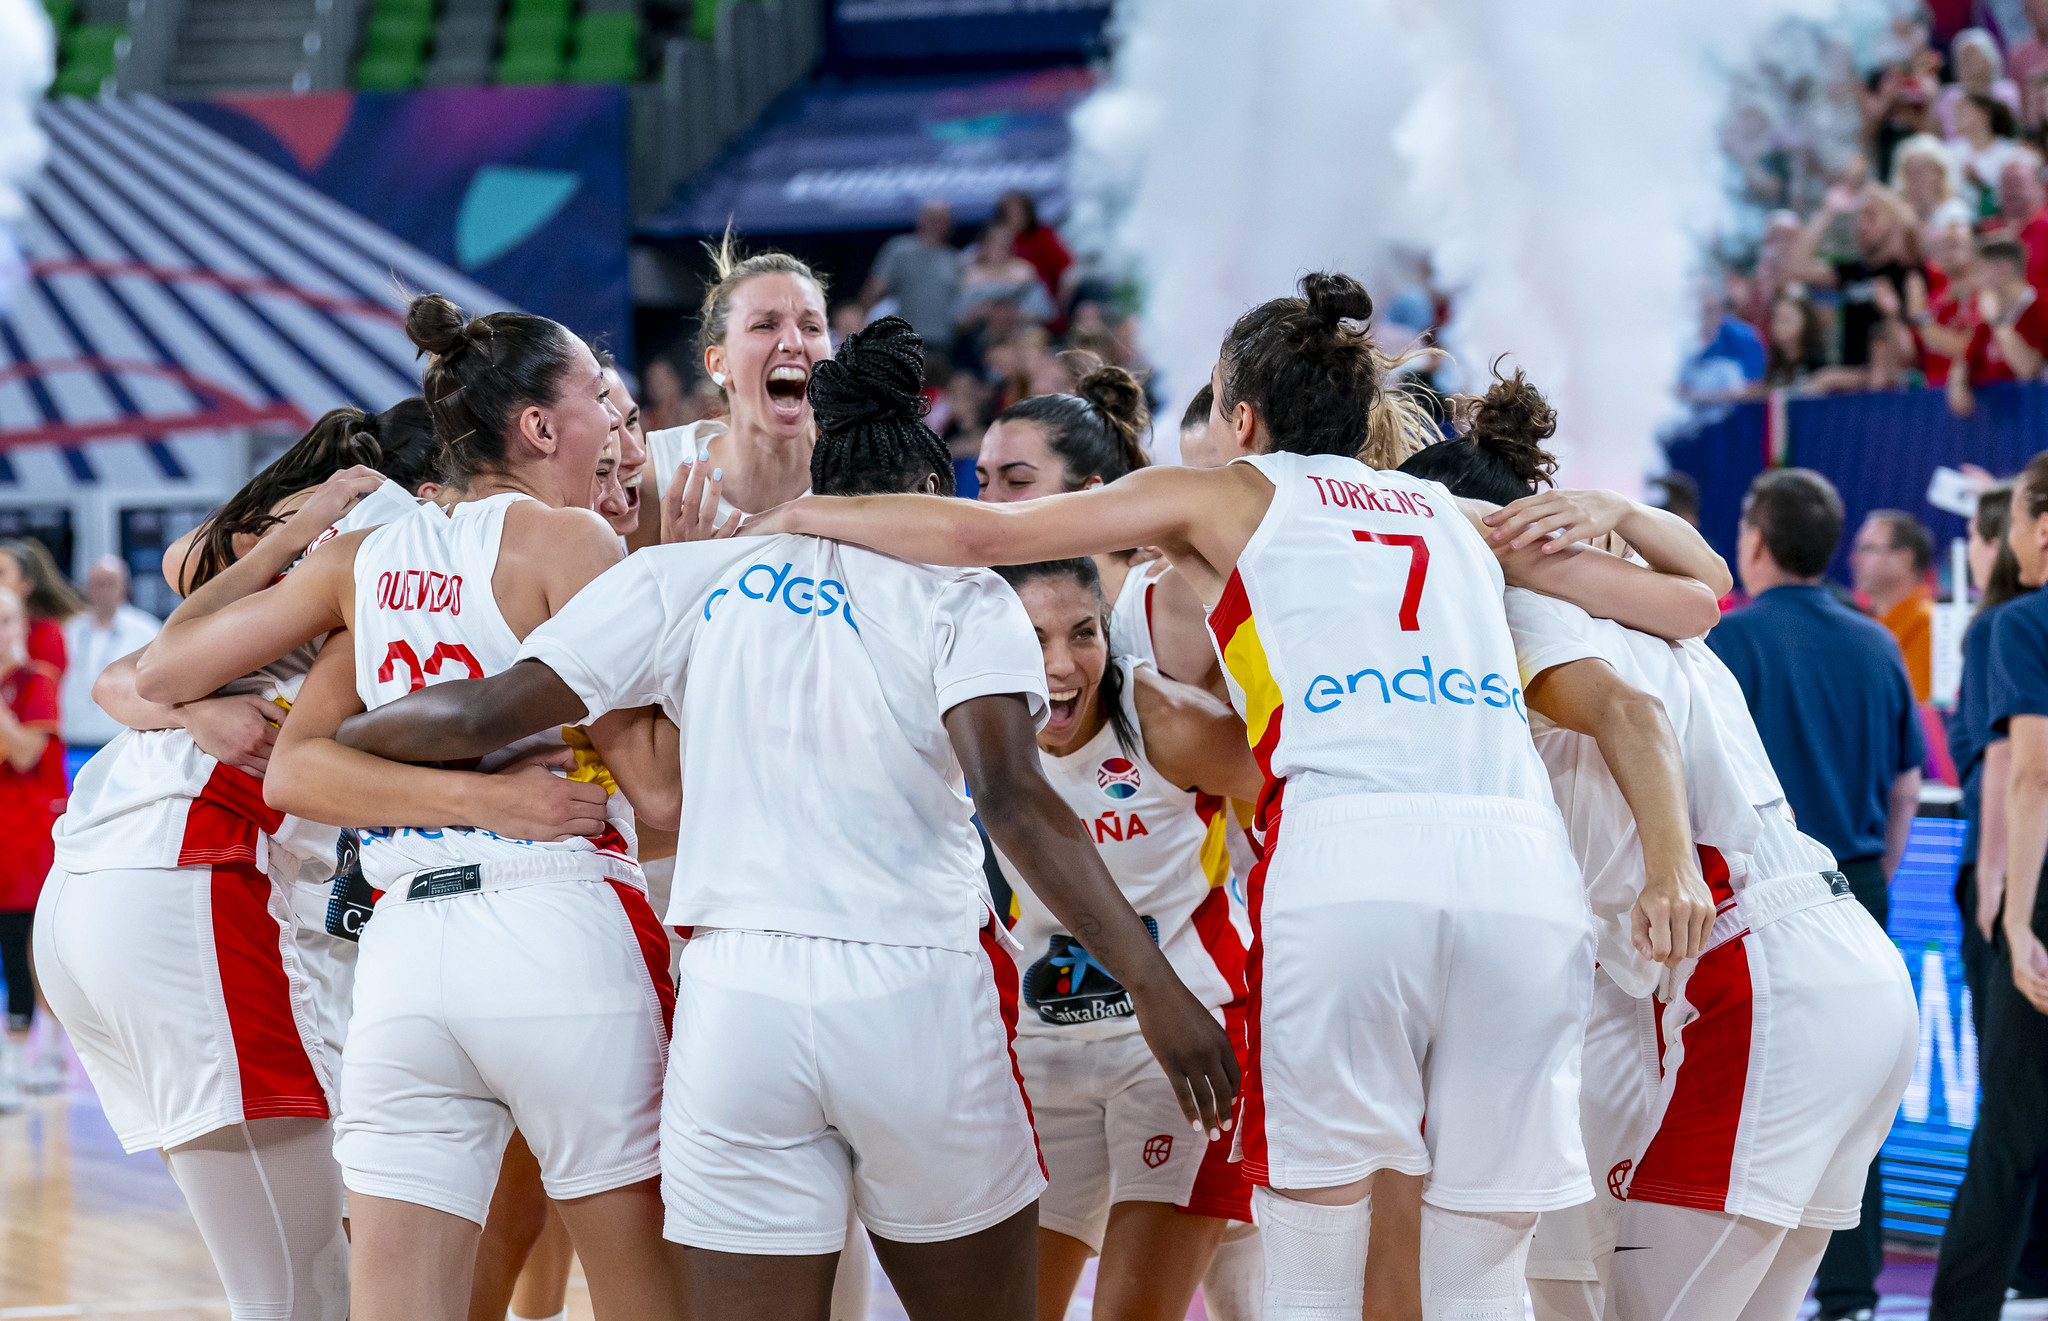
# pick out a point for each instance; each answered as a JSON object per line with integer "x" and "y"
{"x": 27, "y": 63}
{"x": 1559, "y": 160}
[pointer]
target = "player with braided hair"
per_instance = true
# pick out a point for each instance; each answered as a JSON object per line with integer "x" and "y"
{"x": 846, "y": 1005}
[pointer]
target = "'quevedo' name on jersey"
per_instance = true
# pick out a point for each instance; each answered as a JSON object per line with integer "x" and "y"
{"x": 760, "y": 581}
{"x": 1427, "y": 682}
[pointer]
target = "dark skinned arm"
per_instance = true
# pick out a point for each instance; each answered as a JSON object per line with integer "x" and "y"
{"x": 996, "y": 742}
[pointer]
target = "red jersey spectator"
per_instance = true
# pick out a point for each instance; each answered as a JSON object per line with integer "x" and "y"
{"x": 28, "y": 571}
{"x": 1038, "y": 244}
{"x": 31, "y": 794}
{"x": 2011, "y": 343}
{"x": 1942, "y": 327}
{"x": 2023, "y": 214}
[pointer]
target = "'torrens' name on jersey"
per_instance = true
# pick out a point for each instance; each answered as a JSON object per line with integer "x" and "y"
{"x": 1378, "y": 500}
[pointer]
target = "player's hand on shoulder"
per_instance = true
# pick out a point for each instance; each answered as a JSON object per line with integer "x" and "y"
{"x": 689, "y": 508}
{"x": 531, "y": 801}
{"x": 332, "y": 499}
{"x": 1556, "y": 518}
{"x": 236, "y": 731}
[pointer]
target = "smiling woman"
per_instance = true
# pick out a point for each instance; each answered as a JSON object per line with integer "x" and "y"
{"x": 762, "y": 331}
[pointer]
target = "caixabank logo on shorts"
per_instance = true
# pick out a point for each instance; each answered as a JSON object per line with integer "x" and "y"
{"x": 1117, "y": 778}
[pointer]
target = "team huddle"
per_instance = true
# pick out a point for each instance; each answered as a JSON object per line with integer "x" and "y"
{"x": 1401, "y": 905}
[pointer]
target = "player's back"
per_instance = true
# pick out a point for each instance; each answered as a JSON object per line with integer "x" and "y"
{"x": 426, "y": 612}
{"x": 821, "y": 794}
{"x": 1364, "y": 641}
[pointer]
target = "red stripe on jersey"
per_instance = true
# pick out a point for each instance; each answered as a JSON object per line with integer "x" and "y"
{"x": 647, "y": 930}
{"x": 1252, "y": 1107}
{"x": 1212, "y": 923}
{"x": 222, "y": 823}
{"x": 1714, "y": 871}
{"x": 1004, "y": 969}
{"x": 248, "y": 945}
{"x": 1689, "y": 1161}
{"x": 1221, "y": 1188}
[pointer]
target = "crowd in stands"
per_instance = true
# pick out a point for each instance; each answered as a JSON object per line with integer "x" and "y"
{"x": 1922, "y": 261}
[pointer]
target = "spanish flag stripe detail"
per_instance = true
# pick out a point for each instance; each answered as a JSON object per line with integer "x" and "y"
{"x": 1244, "y": 657}
{"x": 590, "y": 767}
{"x": 1215, "y": 852}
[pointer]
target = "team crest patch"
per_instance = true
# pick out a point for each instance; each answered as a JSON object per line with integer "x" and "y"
{"x": 1617, "y": 1181}
{"x": 1158, "y": 1149}
{"x": 1117, "y": 778}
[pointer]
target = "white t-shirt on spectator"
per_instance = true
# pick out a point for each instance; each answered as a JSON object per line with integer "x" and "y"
{"x": 91, "y": 649}
{"x": 810, "y": 680}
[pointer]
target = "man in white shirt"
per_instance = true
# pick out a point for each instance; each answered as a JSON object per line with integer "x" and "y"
{"x": 107, "y": 631}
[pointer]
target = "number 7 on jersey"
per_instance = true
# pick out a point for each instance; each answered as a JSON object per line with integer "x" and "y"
{"x": 1418, "y": 569}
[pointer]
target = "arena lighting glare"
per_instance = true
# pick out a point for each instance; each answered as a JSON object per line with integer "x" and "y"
{"x": 1559, "y": 161}
{"x": 27, "y": 63}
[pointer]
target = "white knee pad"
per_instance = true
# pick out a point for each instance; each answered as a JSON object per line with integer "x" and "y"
{"x": 1315, "y": 1257}
{"x": 1472, "y": 1263}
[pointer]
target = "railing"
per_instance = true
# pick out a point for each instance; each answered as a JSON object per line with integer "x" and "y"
{"x": 709, "y": 91}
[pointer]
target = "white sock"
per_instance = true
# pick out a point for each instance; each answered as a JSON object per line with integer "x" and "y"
{"x": 562, "y": 1315}
{"x": 1472, "y": 1263}
{"x": 1315, "y": 1257}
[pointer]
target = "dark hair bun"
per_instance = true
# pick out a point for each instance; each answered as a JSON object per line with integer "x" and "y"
{"x": 1333, "y": 296}
{"x": 877, "y": 375}
{"x": 1116, "y": 392}
{"x": 1512, "y": 420}
{"x": 433, "y": 323}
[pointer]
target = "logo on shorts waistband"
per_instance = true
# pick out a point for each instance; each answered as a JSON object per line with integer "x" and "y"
{"x": 444, "y": 881}
{"x": 1158, "y": 1150}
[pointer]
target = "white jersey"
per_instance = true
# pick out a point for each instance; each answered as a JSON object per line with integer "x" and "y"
{"x": 821, "y": 796}
{"x": 1164, "y": 847}
{"x": 425, "y": 613}
{"x": 131, "y": 806}
{"x": 1733, "y": 797}
{"x": 1364, "y": 642}
{"x": 1130, "y": 615}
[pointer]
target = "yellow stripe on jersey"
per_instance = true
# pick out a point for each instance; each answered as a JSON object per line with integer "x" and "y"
{"x": 590, "y": 767}
{"x": 1245, "y": 657}
{"x": 1215, "y": 853}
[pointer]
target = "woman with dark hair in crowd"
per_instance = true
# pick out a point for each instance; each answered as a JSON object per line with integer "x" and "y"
{"x": 29, "y": 571}
{"x": 1651, "y": 751}
{"x": 1328, "y": 584}
{"x": 847, "y": 1001}
{"x": 1984, "y": 144}
{"x": 1038, "y": 244}
{"x": 1795, "y": 343}
{"x": 181, "y": 935}
{"x": 548, "y": 1004}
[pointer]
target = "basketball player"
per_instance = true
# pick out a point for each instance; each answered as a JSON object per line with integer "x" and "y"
{"x": 173, "y": 934}
{"x": 1419, "y": 903}
{"x": 549, "y": 1000}
{"x": 847, "y": 1000}
{"x": 1785, "y": 1048}
{"x": 1142, "y": 761}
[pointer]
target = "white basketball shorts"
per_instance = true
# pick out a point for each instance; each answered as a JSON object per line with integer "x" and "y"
{"x": 540, "y": 1006}
{"x": 183, "y": 990}
{"x": 1111, "y": 1129}
{"x": 806, "y": 1072}
{"x": 1787, "y": 1048}
{"x": 1617, "y": 1093}
{"x": 330, "y": 966}
{"x": 1420, "y": 954}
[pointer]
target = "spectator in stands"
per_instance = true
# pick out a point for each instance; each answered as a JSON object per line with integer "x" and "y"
{"x": 2023, "y": 213}
{"x": 1983, "y": 144}
{"x": 95, "y": 638}
{"x": 2029, "y": 64}
{"x": 1836, "y": 712}
{"x": 920, "y": 271}
{"x": 1979, "y": 68}
{"x": 1924, "y": 173}
{"x": 1943, "y": 317}
{"x": 1898, "y": 99}
{"x": 28, "y": 570}
{"x": 663, "y": 406}
{"x": 2011, "y": 336}
{"x": 1038, "y": 244}
{"x": 1727, "y": 340}
{"x": 1778, "y": 263}
{"x": 1987, "y": 1223}
{"x": 1886, "y": 239}
{"x": 1795, "y": 347}
{"x": 1888, "y": 564}
{"x": 846, "y": 317}
{"x": 998, "y": 290}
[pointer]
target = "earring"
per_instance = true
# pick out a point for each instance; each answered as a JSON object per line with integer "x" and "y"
{"x": 718, "y": 379}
